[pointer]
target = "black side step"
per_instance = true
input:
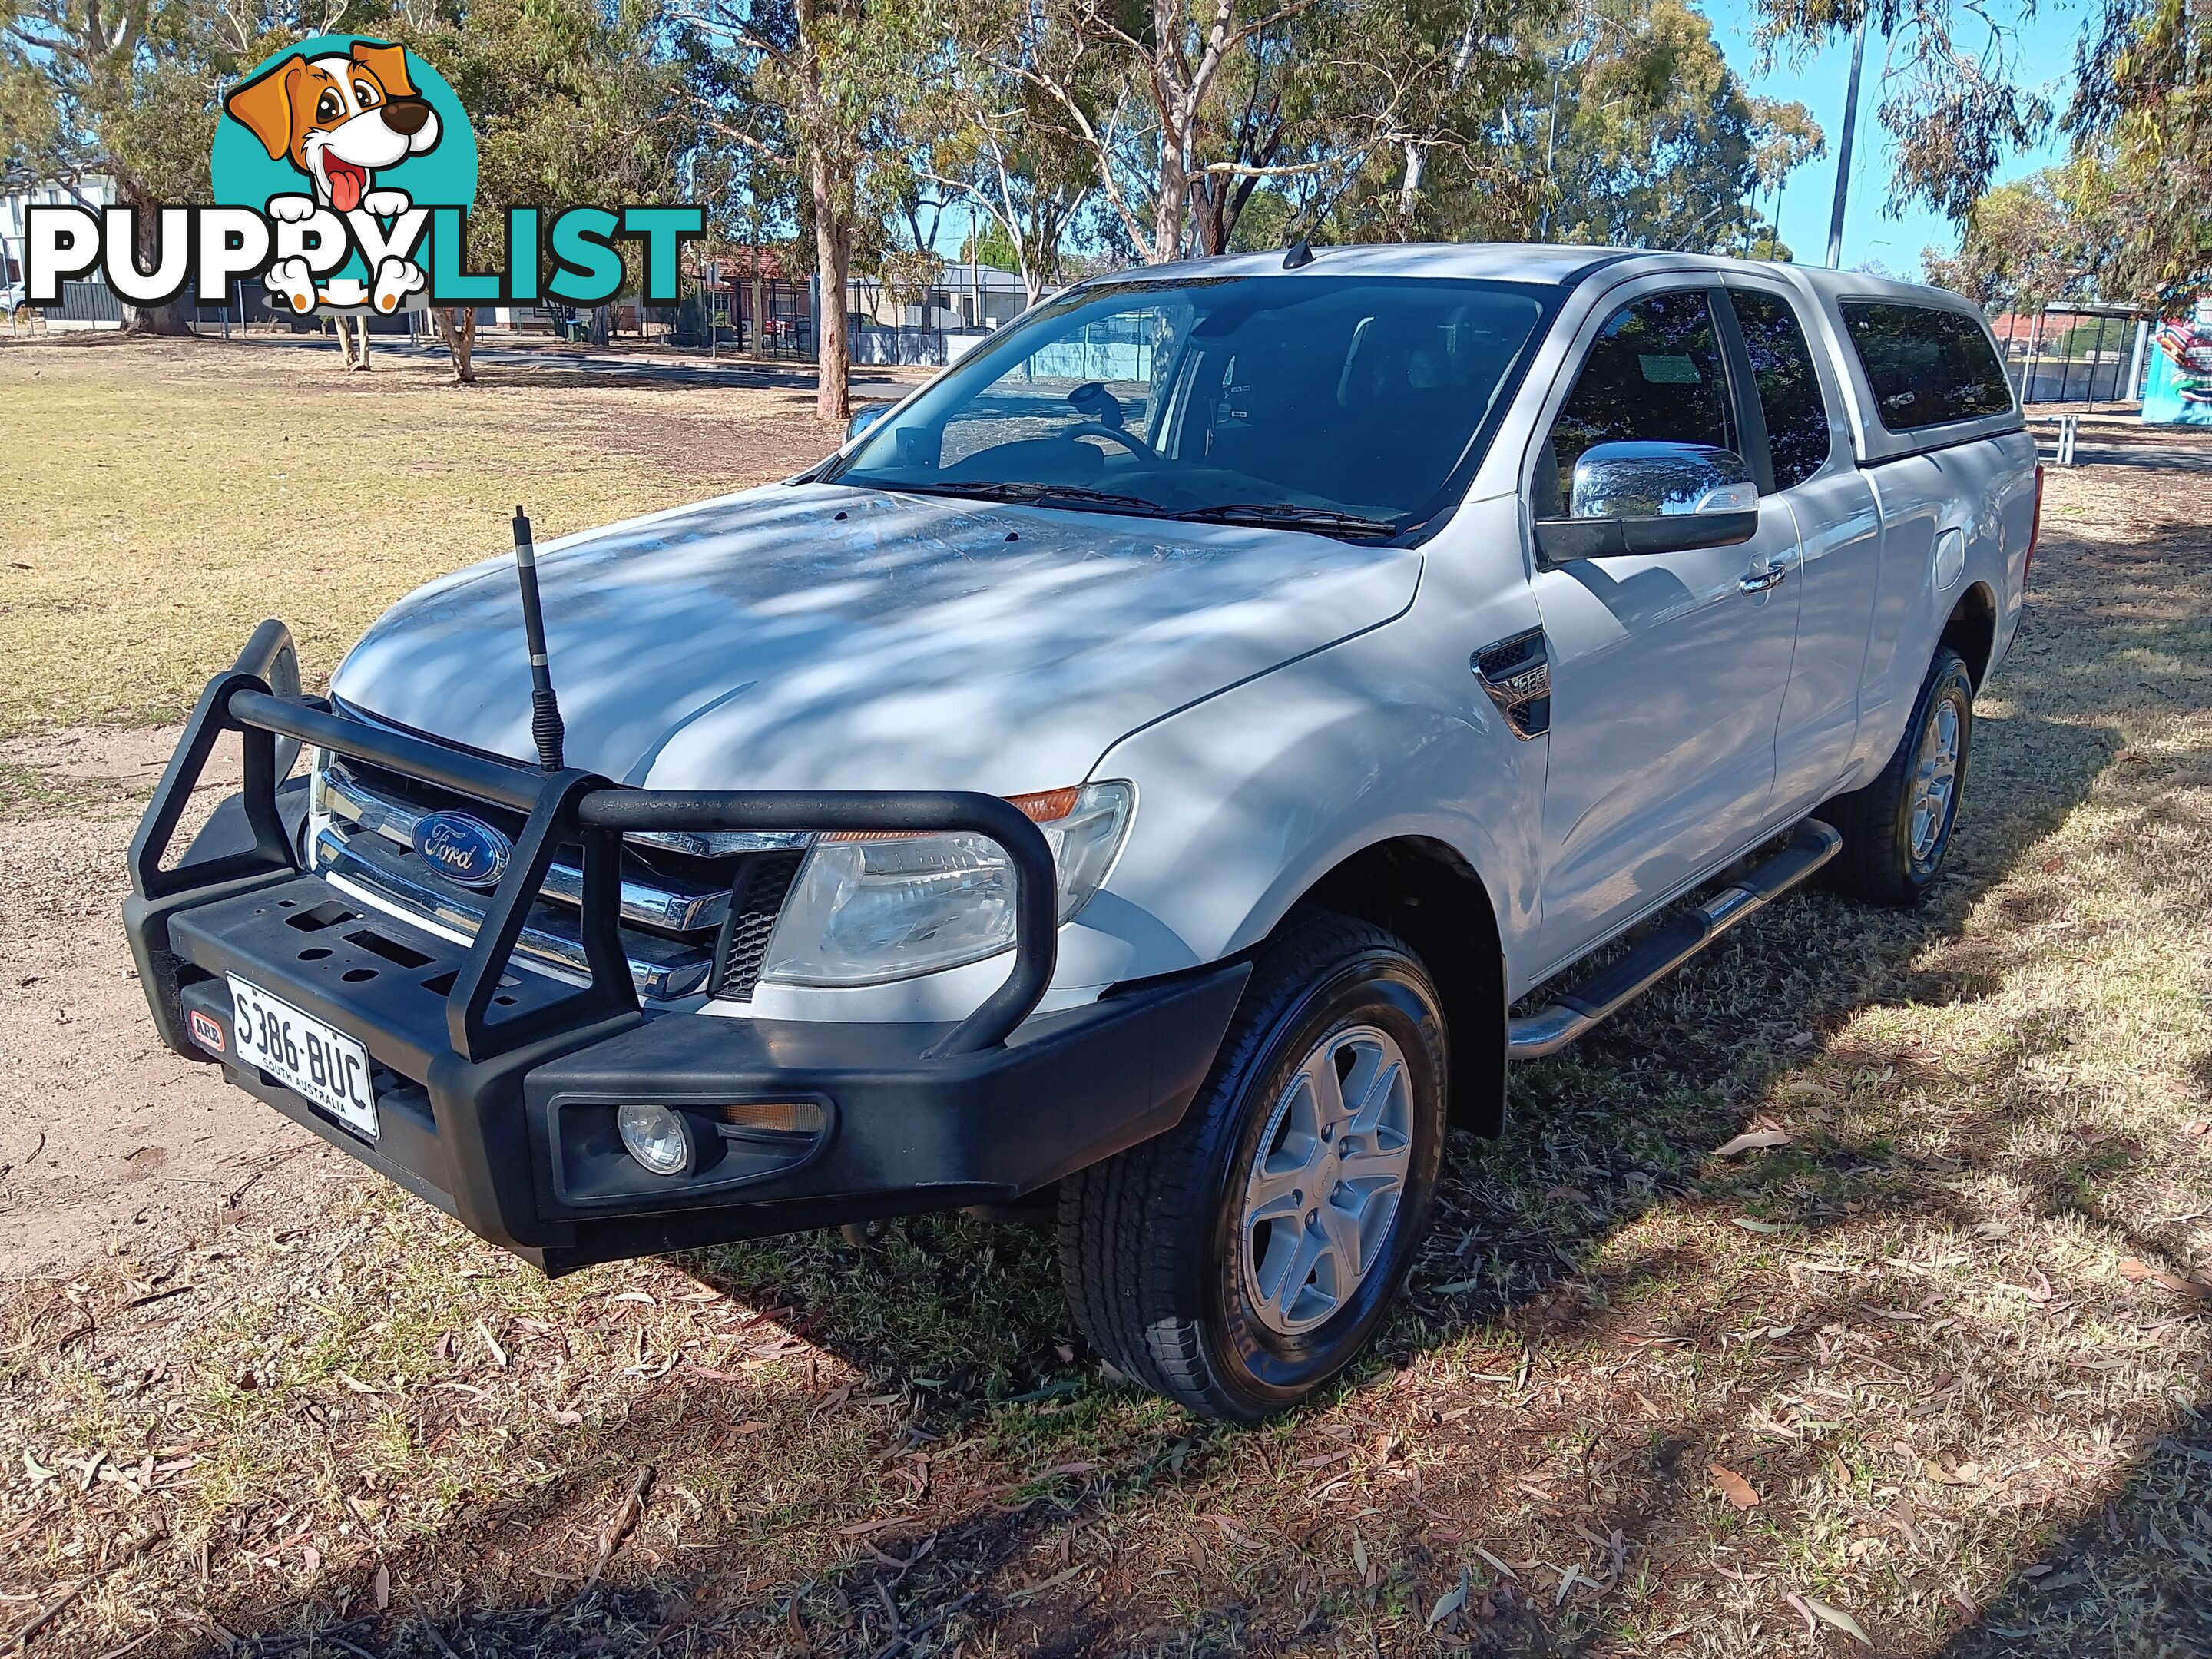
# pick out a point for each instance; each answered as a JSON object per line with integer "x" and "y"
{"x": 1550, "y": 1029}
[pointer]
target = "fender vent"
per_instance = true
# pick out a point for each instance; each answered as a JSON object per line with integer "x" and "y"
{"x": 756, "y": 898}
{"x": 1516, "y": 674}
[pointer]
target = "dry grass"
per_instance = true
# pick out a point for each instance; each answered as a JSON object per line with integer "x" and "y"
{"x": 1951, "y": 1337}
{"x": 161, "y": 498}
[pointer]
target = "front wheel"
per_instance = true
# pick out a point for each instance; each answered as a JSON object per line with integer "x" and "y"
{"x": 1897, "y": 830}
{"x": 1238, "y": 1263}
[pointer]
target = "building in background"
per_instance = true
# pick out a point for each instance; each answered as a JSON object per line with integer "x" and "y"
{"x": 95, "y": 192}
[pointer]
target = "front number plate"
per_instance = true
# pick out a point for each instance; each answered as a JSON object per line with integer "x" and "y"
{"x": 304, "y": 1055}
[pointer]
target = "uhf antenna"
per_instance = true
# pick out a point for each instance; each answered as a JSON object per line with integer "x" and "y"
{"x": 544, "y": 711}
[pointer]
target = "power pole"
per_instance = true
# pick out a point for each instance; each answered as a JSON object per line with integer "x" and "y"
{"x": 1843, "y": 150}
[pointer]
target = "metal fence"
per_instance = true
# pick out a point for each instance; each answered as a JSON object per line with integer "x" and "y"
{"x": 2086, "y": 355}
{"x": 88, "y": 302}
{"x": 723, "y": 314}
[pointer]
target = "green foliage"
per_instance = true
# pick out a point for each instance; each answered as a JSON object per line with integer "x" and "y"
{"x": 993, "y": 246}
{"x": 1109, "y": 127}
{"x": 2125, "y": 218}
{"x": 1617, "y": 123}
{"x": 572, "y": 100}
{"x": 2016, "y": 250}
{"x": 2087, "y": 230}
{"x": 572, "y": 103}
{"x": 127, "y": 92}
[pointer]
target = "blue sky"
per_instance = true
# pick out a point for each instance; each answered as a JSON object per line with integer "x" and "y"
{"x": 2046, "y": 45}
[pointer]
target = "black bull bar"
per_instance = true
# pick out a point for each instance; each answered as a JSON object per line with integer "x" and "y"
{"x": 567, "y": 807}
{"x": 491, "y": 1080}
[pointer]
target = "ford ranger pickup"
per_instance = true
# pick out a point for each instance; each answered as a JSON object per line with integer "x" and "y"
{"x": 1165, "y": 769}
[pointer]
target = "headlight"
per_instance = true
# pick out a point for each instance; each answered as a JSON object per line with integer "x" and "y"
{"x": 869, "y": 907}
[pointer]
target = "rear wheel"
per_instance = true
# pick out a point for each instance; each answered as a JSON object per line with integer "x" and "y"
{"x": 1239, "y": 1261}
{"x": 1897, "y": 830}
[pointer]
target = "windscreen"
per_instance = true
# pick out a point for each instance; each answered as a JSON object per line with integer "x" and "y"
{"x": 1353, "y": 406}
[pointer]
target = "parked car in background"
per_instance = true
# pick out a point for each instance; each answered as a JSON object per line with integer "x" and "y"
{"x": 1141, "y": 774}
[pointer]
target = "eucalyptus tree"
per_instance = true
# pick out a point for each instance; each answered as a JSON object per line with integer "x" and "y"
{"x": 815, "y": 90}
{"x": 1648, "y": 136}
{"x": 992, "y": 139}
{"x": 574, "y": 103}
{"x": 1600, "y": 121}
{"x": 1139, "y": 87}
{"x": 1959, "y": 96}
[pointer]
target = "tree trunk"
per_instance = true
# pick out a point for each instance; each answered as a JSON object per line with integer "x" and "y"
{"x": 1175, "y": 191}
{"x": 832, "y": 259}
{"x": 458, "y": 328}
{"x": 1409, "y": 192}
{"x": 353, "y": 340}
{"x": 174, "y": 318}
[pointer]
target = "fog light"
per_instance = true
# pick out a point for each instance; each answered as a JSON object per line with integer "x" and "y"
{"x": 656, "y": 1137}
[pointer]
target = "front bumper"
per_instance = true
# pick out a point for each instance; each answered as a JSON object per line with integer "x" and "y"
{"x": 496, "y": 1086}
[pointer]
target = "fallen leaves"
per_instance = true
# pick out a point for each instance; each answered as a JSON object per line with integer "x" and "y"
{"x": 620, "y": 1524}
{"x": 1811, "y": 1609}
{"x": 1496, "y": 1562}
{"x": 1734, "y": 1487}
{"x": 862, "y": 1529}
{"x": 2141, "y": 1272}
{"x": 1451, "y": 1601}
{"x": 1015, "y": 1598}
{"x": 1752, "y": 1141}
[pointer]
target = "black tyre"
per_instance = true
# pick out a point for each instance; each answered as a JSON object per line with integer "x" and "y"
{"x": 1897, "y": 830}
{"x": 1239, "y": 1261}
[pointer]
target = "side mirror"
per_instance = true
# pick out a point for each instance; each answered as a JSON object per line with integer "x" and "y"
{"x": 864, "y": 417}
{"x": 1652, "y": 498}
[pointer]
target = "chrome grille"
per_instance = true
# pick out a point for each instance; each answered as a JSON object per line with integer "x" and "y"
{"x": 674, "y": 928}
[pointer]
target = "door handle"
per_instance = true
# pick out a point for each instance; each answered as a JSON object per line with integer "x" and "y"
{"x": 1759, "y": 580}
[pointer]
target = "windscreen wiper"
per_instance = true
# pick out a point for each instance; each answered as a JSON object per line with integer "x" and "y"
{"x": 1031, "y": 494}
{"x": 1285, "y": 515}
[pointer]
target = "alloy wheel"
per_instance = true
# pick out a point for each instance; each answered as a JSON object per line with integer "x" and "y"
{"x": 1934, "y": 780}
{"x": 1326, "y": 1180}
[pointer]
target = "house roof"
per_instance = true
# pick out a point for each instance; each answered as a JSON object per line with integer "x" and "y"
{"x": 745, "y": 261}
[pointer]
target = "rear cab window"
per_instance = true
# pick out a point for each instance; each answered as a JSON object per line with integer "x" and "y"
{"x": 1788, "y": 386}
{"x": 1928, "y": 366}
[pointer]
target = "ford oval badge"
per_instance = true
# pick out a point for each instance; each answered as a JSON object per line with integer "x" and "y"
{"x": 464, "y": 849}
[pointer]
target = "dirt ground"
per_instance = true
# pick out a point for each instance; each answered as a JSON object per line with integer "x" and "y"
{"x": 153, "y": 517}
{"x": 108, "y": 1139}
{"x": 1925, "y": 1378}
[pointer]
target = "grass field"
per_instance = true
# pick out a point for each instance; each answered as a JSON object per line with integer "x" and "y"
{"x": 1927, "y": 1378}
{"x": 161, "y": 498}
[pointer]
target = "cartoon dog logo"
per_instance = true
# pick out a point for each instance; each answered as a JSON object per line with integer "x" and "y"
{"x": 338, "y": 119}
